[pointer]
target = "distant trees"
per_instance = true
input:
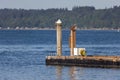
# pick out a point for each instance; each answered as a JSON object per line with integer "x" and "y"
{"x": 84, "y": 17}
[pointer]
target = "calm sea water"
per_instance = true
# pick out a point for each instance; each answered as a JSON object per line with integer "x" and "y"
{"x": 22, "y": 55}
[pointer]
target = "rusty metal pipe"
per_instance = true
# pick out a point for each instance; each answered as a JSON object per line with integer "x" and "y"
{"x": 72, "y": 39}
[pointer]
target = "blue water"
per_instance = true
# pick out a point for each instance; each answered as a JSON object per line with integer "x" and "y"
{"x": 22, "y": 55}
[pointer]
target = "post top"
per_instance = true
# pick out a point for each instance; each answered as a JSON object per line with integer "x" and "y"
{"x": 58, "y": 21}
{"x": 74, "y": 27}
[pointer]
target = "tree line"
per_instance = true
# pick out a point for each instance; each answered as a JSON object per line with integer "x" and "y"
{"x": 86, "y": 17}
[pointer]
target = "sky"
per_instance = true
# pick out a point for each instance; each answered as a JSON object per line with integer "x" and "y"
{"x": 46, "y": 4}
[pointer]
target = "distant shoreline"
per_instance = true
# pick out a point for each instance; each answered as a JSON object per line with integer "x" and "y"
{"x": 55, "y": 29}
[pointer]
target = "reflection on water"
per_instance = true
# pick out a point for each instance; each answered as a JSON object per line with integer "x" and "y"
{"x": 81, "y": 73}
{"x": 59, "y": 72}
{"x": 71, "y": 73}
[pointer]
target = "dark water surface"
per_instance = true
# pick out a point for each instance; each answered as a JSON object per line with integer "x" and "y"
{"x": 22, "y": 55}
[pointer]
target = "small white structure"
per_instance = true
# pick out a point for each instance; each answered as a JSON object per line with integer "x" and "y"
{"x": 75, "y": 51}
{"x": 79, "y": 52}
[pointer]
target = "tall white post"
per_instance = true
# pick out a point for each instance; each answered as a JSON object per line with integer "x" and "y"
{"x": 59, "y": 37}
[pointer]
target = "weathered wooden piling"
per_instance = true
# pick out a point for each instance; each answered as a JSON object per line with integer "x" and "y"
{"x": 72, "y": 40}
{"x": 59, "y": 37}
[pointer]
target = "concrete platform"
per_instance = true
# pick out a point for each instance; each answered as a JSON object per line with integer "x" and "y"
{"x": 86, "y": 61}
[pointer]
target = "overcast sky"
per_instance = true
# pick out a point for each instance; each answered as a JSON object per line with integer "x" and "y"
{"x": 45, "y": 4}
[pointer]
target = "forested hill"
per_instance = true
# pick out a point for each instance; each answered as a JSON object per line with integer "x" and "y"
{"x": 84, "y": 17}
